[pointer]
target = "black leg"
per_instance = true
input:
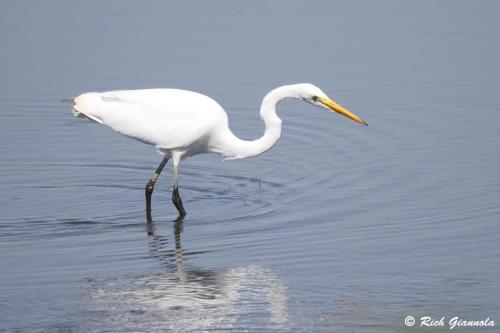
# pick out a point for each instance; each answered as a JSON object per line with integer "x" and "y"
{"x": 176, "y": 199}
{"x": 151, "y": 184}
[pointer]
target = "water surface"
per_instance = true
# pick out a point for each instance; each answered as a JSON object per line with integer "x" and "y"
{"x": 339, "y": 228}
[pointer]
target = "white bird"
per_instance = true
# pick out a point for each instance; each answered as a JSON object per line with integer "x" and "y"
{"x": 181, "y": 123}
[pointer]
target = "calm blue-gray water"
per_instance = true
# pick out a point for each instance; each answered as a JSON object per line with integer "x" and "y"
{"x": 338, "y": 228}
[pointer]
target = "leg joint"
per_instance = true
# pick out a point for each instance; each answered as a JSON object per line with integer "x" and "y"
{"x": 149, "y": 187}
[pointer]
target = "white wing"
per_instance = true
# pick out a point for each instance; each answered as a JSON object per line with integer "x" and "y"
{"x": 166, "y": 118}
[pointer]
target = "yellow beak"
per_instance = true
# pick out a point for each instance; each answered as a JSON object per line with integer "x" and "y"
{"x": 340, "y": 109}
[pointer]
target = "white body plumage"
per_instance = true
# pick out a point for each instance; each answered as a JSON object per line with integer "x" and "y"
{"x": 169, "y": 119}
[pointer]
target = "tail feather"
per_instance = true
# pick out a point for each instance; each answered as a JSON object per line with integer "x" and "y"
{"x": 69, "y": 99}
{"x": 77, "y": 112}
{"x": 80, "y": 114}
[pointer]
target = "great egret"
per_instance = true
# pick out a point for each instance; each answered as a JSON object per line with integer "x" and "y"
{"x": 181, "y": 123}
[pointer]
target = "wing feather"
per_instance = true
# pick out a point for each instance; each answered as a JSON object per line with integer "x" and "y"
{"x": 166, "y": 118}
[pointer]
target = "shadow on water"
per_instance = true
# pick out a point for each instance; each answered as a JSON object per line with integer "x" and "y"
{"x": 183, "y": 297}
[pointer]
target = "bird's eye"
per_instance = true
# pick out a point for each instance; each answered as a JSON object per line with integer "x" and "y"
{"x": 314, "y": 98}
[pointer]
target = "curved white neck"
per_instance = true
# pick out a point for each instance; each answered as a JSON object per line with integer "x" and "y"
{"x": 232, "y": 147}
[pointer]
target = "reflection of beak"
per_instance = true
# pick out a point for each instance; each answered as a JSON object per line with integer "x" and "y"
{"x": 340, "y": 109}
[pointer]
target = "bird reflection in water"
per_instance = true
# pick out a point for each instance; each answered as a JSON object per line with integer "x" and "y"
{"x": 183, "y": 297}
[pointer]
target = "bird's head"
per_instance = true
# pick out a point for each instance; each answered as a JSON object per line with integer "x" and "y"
{"x": 314, "y": 95}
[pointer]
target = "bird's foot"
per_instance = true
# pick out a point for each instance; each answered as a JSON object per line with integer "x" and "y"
{"x": 176, "y": 199}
